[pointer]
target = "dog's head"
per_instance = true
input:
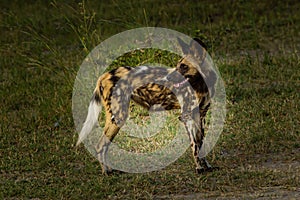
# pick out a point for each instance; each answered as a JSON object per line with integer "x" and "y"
{"x": 193, "y": 68}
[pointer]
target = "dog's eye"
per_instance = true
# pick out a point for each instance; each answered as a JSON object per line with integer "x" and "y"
{"x": 183, "y": 67}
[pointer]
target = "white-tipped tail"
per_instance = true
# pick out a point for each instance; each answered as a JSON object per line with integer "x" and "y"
{"x": 91, "y": 120}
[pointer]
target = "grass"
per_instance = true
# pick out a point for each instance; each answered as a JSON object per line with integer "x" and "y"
{"x": 255, "y": 45}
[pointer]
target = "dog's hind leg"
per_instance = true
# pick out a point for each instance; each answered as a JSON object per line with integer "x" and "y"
{"x": 110, "y": 131}
{"x": 115, "y": 114}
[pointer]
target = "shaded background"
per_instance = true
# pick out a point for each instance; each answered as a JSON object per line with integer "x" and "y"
{"x": 255, "y": 44}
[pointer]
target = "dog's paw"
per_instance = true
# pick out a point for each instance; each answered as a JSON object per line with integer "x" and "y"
{"x": 107, "y": 173}
{"x": 207, "y": 169}
{"x": 106, "y": 170}
{"x": 110, "y": 171}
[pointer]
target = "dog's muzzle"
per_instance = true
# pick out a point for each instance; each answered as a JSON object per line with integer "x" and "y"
{"x": 176, "y": 79}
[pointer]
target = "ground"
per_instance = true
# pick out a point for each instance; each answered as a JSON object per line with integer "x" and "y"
{"x": 255, "y": 45}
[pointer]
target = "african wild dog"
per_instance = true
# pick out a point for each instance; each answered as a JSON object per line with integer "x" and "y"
{"x": 188, "y": 87}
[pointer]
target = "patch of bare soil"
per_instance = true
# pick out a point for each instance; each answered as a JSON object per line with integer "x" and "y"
{"x": 288, "y": 164}
{"x": 261, "y": 194}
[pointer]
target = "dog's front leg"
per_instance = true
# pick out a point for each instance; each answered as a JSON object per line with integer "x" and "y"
{"x": 196, "y": 135}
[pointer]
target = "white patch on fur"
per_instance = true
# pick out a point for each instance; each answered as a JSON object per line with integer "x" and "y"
{"x": 141, "y": 69}
{"x": 118, "y": 92}
{"x": 202, "y": 74}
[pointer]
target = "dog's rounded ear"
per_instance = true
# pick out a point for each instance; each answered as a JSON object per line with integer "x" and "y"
{"x": 184, "y": 47}
{"x": 200, "y": 42}
{"x": 197, "y": 48}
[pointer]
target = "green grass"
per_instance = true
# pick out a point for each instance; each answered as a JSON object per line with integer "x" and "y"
{"x": 255, "y": 45}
